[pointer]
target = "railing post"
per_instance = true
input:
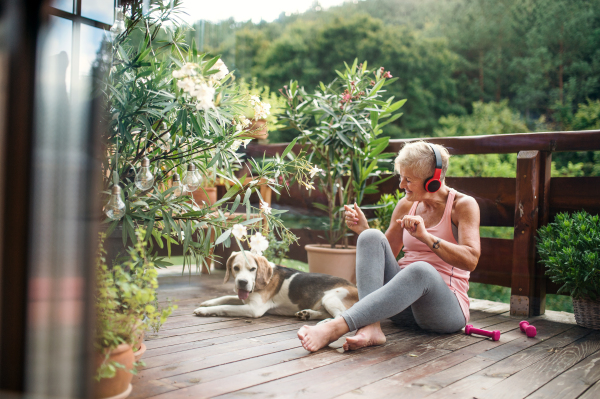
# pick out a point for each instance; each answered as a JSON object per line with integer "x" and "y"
{"x": 539, "y": 304}
{"x": 523, "y": 286}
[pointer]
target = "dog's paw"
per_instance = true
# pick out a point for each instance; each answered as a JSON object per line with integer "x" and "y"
{"x": 210, "y": 302}
{"x": 303, "y": 315}
{"x": 203, "y": 311}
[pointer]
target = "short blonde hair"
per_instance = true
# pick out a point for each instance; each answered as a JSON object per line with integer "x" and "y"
{"x": 419, "y": 158}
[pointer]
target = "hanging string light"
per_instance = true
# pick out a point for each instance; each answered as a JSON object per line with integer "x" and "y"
{"x": 119, "y": 26}
{"x": 144, "y": 178}
{"x": 176, "y": 183}
{"x": 191, "y": 180}
{"x": 115, "y": 208}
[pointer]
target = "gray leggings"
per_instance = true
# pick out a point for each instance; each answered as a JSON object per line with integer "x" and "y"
{"x": 386, "y": 291}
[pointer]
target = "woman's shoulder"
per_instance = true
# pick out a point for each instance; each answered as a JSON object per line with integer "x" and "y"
{"x": 403, "y": 207}
{"x": 464, "y": 203}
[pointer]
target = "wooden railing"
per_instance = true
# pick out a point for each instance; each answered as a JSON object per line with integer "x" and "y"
{"x": 525, "y": 203}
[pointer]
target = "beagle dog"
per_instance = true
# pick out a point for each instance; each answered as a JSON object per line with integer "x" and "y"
{"x": 263, "y": 287}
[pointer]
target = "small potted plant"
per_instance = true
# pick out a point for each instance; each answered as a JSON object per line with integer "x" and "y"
{"x": 125, "y": 299}
{"x": 570, "y": 249}
{"x": 342, "y": 123}
{"x": 261, "y": 116}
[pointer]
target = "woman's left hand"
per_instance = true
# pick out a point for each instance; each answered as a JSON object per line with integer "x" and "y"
{"x": 414, "y": 225}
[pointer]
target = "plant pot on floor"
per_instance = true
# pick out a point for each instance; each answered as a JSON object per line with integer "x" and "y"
{"x": 119, "y": 386}
{"x": 339, "y": 262}
{"x": 587, "y": 313}
{"x": 139, "y": 348}
{"x": 256, "y": 130}
{"x": 210, "y": 197}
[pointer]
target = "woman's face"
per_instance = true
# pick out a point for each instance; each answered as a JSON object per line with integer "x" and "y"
{"x": 412, "y": 185}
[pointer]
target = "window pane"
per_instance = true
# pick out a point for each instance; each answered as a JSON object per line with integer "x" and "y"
{"x": 99, "y": 10}
{"x": 65, "y": 5}
{"x": 57, "y": 47}
{"x": 89, "y": 45}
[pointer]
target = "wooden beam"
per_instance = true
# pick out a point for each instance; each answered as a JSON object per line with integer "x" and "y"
{"x": 539, "y": 295}
{"x": 586, "y": 140}
{"x": 495, "y": 262}
{"x": 526, "y": 223}
{"x": 572, "y": 194}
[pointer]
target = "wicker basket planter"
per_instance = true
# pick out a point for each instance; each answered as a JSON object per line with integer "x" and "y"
{"x": 587, "y": 313}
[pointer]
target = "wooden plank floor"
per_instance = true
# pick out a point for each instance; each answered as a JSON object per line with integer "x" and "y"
{"x": 200, "y": 357}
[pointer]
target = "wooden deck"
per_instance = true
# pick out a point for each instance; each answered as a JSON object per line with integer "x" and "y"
{"x": 236, "y": 357}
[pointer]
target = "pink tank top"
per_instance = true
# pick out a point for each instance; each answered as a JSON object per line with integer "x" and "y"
{"x": 414, "y": 251}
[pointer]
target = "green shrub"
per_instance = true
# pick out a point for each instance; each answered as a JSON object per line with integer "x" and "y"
{"x": 569, "y": 248}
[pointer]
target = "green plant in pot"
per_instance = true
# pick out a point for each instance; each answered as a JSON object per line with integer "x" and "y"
{"x": 262, "y": 100}
{"x": 342, "y": 124}
{"x": 570, "y": 247}
{"x": 125, "y": 308}
{"x": 174, "y": 115}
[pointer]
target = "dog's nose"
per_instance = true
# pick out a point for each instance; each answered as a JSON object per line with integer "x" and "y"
{"x": 242, "y": 283}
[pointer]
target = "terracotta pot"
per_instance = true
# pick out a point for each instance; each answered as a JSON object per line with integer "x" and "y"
{"x": 120, "y": 385}
{"x": 339, "y": 262}
{"x": 139, "y": 348}
{"x": 256, "y": 130}
{"x": 200, "y": 196}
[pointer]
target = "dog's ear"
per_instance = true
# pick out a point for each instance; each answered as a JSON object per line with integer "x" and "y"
{"x": 228, "y": 266}
{"x": 264, "y": 272}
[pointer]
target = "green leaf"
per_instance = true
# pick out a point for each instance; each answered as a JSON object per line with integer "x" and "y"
{"x": 289, "y": 147}
{"x": 223, "y": 237}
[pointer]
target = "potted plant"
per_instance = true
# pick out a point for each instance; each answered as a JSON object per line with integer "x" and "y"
{"x": 125, "y": 299}
{"x": 342, "y": 122}
{"x": 170, "y": 107}
{"x": 261, "y": 115}
{"x": 570, "y": 248}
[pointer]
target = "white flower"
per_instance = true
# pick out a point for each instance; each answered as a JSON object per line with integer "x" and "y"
{"x": 235, "y": 145}
{"x": 255, "y": 100}
{"x": 258, "y": 244}
{"x": 239, "y": 231}
{"x": 246, "y": 142}
{"x": 264, "y": 206}
{"x": 309, "y": 186}
{"x": 314, "y": 170}
{"x": 205, "y": 95}
{"x": 223, "y": 71}
{"x": 261, "y": 110}
{"x": 189, "y": 69}
{"x": 245, "y": 122}
{"x": 182, "y": 235}
{"x": 177, "y": 74}
{"x": 187, "y": 85}
{"x": 238, "y": 128}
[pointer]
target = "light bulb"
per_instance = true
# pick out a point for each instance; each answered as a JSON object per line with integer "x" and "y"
{"x": 115, "y": 208}
{"x": 191, "y": 181}
{"x": 144, "y": 178}
{"x": 119, "y": 26}
{"x": 176, "y": 183}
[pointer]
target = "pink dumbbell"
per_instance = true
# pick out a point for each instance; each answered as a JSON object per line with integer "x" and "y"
{"x": 494, "y": 335}
{"x": 530, "y": 331}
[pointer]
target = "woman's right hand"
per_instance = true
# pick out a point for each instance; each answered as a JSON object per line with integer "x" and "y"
{"x": 355, "y": 219}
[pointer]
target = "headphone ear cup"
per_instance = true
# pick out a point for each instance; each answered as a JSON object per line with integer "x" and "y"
{"x": 433, "y": 185}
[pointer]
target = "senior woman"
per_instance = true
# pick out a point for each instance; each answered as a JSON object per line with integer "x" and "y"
{"x": 438, "y": 229}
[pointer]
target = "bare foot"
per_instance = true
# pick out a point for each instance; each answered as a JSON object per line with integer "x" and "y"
{"x": 317, "y": 337}
{"x": 370, "y": 335}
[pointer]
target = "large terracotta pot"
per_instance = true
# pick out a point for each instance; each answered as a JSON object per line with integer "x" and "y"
{"x": 119, "y": 386}
{"x": 256, "y": 130}
{"x": 200, "y": 196}
{"x": 339, "y": 262}
{"x": 139, "y": 347}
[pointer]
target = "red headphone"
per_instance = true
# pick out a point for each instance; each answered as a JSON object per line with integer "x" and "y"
{"x": 434, "y": 183}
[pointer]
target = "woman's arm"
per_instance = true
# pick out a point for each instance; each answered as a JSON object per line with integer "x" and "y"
{"x": 395, "y": 231}
{"x": 463, "y": 255}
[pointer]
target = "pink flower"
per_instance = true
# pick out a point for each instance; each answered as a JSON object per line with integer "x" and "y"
{"x": 387, "y": 74}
